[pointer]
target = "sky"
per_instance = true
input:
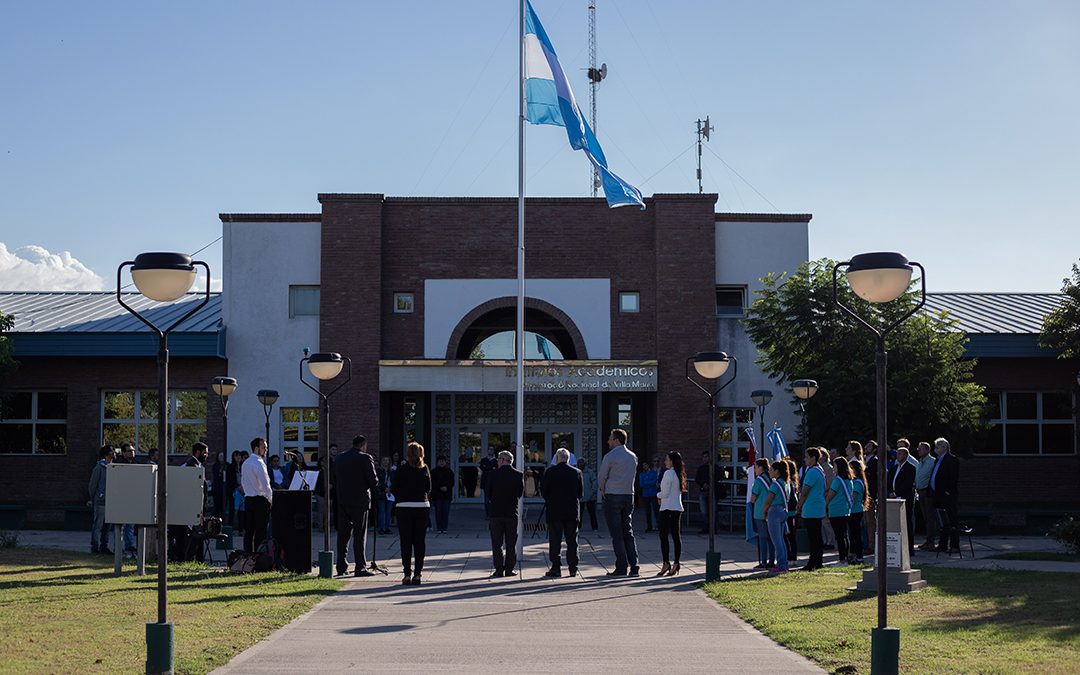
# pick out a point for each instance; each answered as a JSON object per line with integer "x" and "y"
{"x": 947, "y": 131}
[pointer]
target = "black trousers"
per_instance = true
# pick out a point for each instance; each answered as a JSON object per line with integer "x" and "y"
{"x": 855, "y": 535}
{"x": 792, "y": 540}
{"x": 591, "y": 508}
{"x": 503, "y": 531}
{"x": 840, "y": 530}
{"x": 256, "y": 518}
{"x": 817, "y": 548}
{"x": 412, "y": 528}
{"x": 557, "y": 529}
{"x": 948, "y": 532}
{"x": 352, "y": 520}
{"x": 670, "y": 525}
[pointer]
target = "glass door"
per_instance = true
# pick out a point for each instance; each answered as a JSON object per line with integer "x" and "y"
{"x": 563, "y": 438}
{"x": 535, "y": 461}
{"x": 470, "y": 450}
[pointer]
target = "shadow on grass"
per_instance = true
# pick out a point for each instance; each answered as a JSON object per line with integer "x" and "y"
{"x": 249, "y": 596}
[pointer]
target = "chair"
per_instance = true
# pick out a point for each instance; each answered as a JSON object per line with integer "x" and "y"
{"x": 946, "y": 528}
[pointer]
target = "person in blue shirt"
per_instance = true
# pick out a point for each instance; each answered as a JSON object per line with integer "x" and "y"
{"x": 766, "y": 550}
{"x": 859, "y": 501}
{"x": 812, "y": 501}
{"x": 839, "y": 498}
{"x": 776, "y": 513}
{"x": 648, "y": 485}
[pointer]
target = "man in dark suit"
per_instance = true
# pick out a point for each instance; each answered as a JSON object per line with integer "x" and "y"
{"x": 354, "y": 478}
{"x": 945, "y": 482}
{"x": 505, "y": 485}
{"x": 902, "y": 486}
{"x": 182, "y": 547}
{"x": 562, "y": 489}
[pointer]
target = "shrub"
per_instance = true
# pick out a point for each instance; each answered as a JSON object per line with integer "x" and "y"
{"x": 1067, "y": 532}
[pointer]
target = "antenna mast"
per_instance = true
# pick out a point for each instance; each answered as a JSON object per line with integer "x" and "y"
{"x": 595, "y": 76}
{"x": 703, "y": 131}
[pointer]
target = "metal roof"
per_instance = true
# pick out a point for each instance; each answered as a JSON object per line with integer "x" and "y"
{"x": 996, "y": 313}
{"x": 99, "y": 312}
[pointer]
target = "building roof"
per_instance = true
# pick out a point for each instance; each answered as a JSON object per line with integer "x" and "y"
{"x": 996, "y": 313}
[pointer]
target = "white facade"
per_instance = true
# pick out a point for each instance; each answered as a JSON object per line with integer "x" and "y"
{"x": 746, "y": 252}
{"x": 264, "y": 345}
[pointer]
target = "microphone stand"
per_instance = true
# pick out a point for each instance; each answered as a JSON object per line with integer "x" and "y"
{"x": 374, "y": 567}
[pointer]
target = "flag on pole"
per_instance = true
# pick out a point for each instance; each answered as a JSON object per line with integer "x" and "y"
{"x": 542, "y": 347}
{"x": 776, "y": 439}
{"x": 549, "y": 100}
{"x": 751, "y": 531}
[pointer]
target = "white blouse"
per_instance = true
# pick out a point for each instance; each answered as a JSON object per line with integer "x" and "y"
{"x": 670, "y": 492}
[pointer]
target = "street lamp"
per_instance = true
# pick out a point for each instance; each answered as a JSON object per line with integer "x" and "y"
{"x": 325, "y": 366}
{"x": 223, "y": 387}
{"x": 712, "y": 366}
{"x": 880, "y": 278}
{"x": 761, "y": 398}
{"x": 804, "y": 390}
{"x": 163, "y": 277}
{"x": 268, "y": 397}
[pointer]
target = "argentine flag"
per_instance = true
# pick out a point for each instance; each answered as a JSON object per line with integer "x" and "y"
{"x": 776, "y": 439}
{"x": 548, "y": 100}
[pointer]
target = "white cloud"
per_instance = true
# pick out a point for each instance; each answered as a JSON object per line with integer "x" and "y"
{"x": 200, "y": 282}
{"x": 33, "y": 268}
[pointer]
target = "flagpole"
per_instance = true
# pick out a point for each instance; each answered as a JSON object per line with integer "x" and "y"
{"x": 519, "y": 348}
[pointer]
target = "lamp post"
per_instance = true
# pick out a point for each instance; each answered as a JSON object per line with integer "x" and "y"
{"x": 162, "y": 277}
{"x": 325, "y": 366}
{"x": 804, "y": 390}
{"x": 268, "y": 397}
{"x": 712, "y": 366}
{"x": 880, "y": 278}
{"x": 223, "y": 387}
{"x": 761, "y": 398}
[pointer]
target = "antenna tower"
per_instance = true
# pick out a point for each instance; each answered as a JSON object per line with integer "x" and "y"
{"x": 595, "y": 76}
{"x": 703, "y": 131}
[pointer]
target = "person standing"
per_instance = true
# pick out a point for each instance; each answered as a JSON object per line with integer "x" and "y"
{"x": 412, "y": 491}
{"x": 870, "y": 517}
{"x": 232, "y": 489}
{"x": 618, "y": 470}
{"x": 562, "y": 490}
{"x": 588, "y": 497}
{"x": 944, "y": 481}
{"x": 127, "y": 456}
{"x": 776, "y": 512}
{"x": 926, "y": 495}
{"x": 838, "y": 502}
{"x": 217, "y": 485}
{"x": 828, "y": 537}
{"x": 902, "y": 486}
{"x": 812, "y": 501}
{"x": 181, "y": 548}
{"x": 442, "y": 483}
{"x": 355, "y": 479}
{"x": 701, "y": 479}
{"x": 669, "y": 498}
{"x": 859, "y": 499}
{"x": 793, "y": 510}
{"x": 505, "y": 487}
{"x": 382, "y": 511}
{"x": 277, "y": 474}
{"x": 766, "y": 551}
{"x": 99, "y": 532}
{"x": 488, "y": 465}
{"x": 258, "y": 495}
{"x": 647, "y": 482}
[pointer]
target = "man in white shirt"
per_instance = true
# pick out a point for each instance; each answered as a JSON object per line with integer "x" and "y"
{"x": 258, "y": 495}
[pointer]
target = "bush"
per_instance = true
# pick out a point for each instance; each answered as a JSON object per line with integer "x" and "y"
{"x": 1067, "y": 532}
{"x": 8, "y": 539}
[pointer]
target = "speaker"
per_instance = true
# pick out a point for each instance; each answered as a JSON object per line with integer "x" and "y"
{"x": 290, "y": 518}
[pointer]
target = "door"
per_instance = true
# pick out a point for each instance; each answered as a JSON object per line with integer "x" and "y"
{"x": 470, "y": 450}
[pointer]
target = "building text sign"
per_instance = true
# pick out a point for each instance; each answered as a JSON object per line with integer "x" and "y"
{"x": 501, "y": 376}
{"x": 586, "y": 378}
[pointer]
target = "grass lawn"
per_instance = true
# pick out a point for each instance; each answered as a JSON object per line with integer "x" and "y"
{"x": 1035, "y": 555}
{"x": 968, "y": 621}
{"x": 63, "y": 612}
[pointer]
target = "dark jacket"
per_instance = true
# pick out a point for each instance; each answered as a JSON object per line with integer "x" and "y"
{"x": 948, "y": 478}
{"x": 905, "y": 482}
{"x": 505, "y": 487}
{"x": 442, "y": 484}
{"x": 701, "y": 477}
{"x": 488, "y": 465}
{"x": 354, "y": 478}
{"x": 562, "y": 489}
{"x": 871, "y": 477}
{"x": 411, "y": 484}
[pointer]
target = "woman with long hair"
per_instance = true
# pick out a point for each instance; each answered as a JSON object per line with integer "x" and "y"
{"x": 776, "y": 513}
{"x": 859, "y": 501}
{"x": 672, "y": 485}
{"x": 838, "y": 500}
{"x": 766, "y": 552}
{"x": 853, "y": 452}
{"x": 792, "y": 509}
{"x": 411, "y": 489}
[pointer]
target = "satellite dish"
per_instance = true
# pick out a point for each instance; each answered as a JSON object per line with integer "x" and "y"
{"x": 603, "y": 70}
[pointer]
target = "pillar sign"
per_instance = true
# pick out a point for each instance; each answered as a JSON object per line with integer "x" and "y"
{"x": 899, "y": 576}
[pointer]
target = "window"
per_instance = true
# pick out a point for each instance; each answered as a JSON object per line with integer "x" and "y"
{"x": 403, "y": 303}
{"x": 630, "y": 301}
{"x": 33, "y": 423}
{"x": 730, "y": 300}
{"x": 132, "y": 417}
{"x": 733, "y": 446}
{"x": 1031, "y": 423}
{"x": 299, "y": 430}
{"x": 303, "y": 301}
{"x": 626, "y": 410}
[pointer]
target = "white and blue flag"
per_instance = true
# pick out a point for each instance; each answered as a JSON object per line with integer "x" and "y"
{"x": 549, "y": 100}
{"x": 776, "y": 439}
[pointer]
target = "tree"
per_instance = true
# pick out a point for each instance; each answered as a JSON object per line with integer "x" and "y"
{"x": 7, "y": 362}
{"x": 1061, "y": 328}
{"x": 799, "y": 332}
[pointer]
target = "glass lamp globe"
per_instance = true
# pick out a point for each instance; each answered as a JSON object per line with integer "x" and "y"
{"x": 804, "y": 389}
{"x": 267, "y": 396}
{"x": 325, "y": 365}
{"x": 163, "y": 277}
{"x": 761, "y": 397}
{"x": 879, "y": 277}
{"x": 223, "y": 386}
{"x": 711, "y": 365}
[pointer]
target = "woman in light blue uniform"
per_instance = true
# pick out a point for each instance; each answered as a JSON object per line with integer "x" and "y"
{"x": 859, "y": 501}
{"x": 766, "y": 552}
{"x": 776, "y": 513}
{"x": 838, "y": 499}
{"x": 812, "y": 504}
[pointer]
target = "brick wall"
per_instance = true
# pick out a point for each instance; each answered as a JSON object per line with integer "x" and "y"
{"x": 61, "y": 479}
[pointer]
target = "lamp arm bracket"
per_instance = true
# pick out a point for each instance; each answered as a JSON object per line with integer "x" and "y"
{"x": 129, "y": 308}
{"x": 734, "y": 374}
{"x": 196, "y": 308}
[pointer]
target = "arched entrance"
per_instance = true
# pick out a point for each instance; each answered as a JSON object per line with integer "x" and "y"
{"x": 493, "y": 324}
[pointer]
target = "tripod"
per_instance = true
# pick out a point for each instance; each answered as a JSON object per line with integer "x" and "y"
{"x": 374, "y": 566}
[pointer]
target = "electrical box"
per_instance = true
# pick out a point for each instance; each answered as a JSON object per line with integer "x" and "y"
{"x": 186, "y": 488}
{"x": 131, "y": 494}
